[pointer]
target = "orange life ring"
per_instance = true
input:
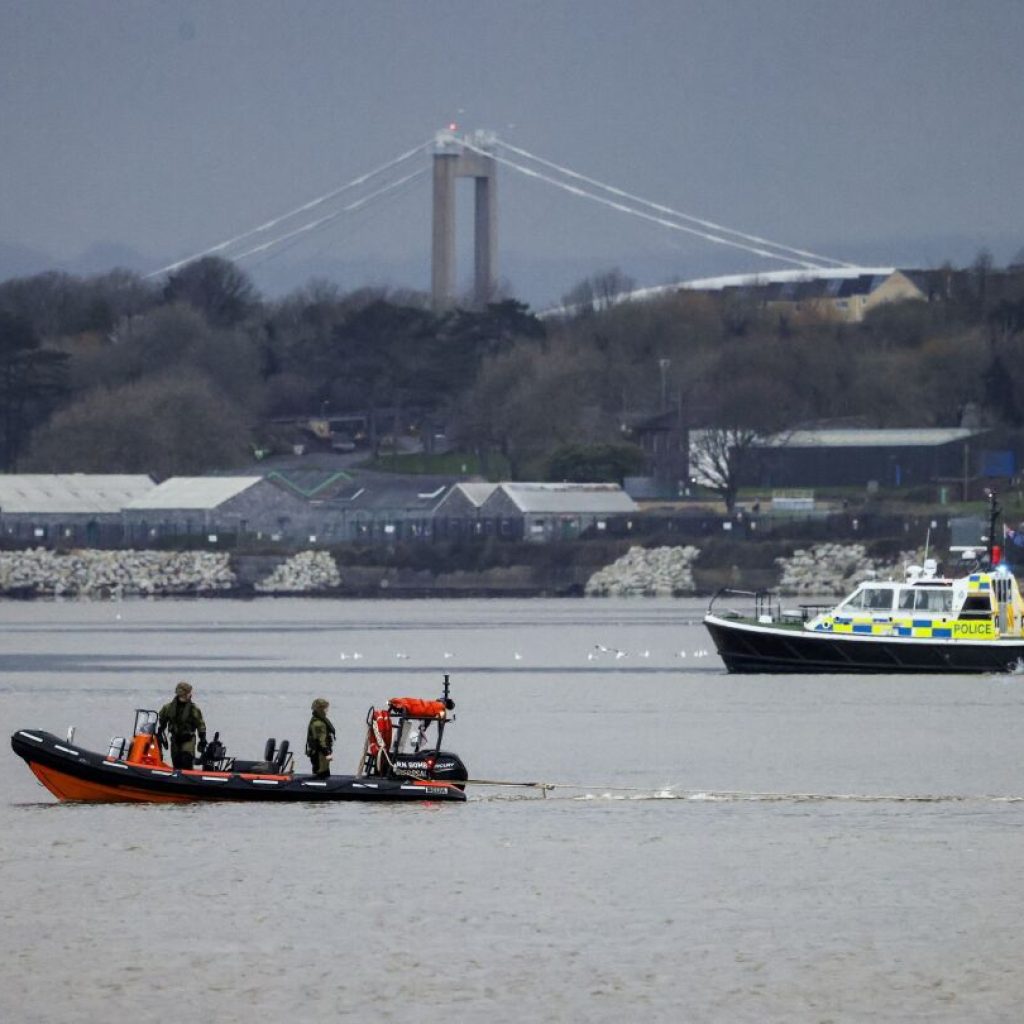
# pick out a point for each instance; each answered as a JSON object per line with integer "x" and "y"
{"x": 380, "y": 731}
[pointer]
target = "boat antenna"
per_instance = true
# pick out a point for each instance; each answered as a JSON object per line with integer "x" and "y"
{"x": 993, "y": 514}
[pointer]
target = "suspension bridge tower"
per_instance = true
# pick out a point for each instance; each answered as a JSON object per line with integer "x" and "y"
{"x": 465, "y": 157}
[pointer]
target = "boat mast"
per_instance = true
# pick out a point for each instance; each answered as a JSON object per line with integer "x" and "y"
{"x": 449, "y": 704}
{"x": 993, "y": 514}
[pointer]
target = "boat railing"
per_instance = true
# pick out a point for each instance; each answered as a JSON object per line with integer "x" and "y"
{"x": 766, "y": 604}
{"x": 810, "y": 611}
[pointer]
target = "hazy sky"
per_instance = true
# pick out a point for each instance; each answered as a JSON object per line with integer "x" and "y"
{"x": 141, "y": 132}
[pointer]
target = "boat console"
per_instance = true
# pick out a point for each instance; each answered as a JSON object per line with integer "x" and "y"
{"x": 403, "y": 740}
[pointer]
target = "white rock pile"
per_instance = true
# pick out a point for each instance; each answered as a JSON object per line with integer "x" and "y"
{"x": 308, "y": 570}
{"x": 647, "y": 572}
{"x": 92, "y": 573}
{"x": 837, "y": 569}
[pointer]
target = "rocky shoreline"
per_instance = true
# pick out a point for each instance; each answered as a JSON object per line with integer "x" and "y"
{"x": 826, "y": 569}
{"x": 646, "y": 572}
{"x": 92, "y": 573}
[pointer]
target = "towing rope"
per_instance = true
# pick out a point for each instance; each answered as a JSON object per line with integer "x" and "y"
{"x": 382, "y": 747}
{"x": 737, "y": 795}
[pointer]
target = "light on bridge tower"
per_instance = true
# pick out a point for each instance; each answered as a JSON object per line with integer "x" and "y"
{"x": 464, "y": 157}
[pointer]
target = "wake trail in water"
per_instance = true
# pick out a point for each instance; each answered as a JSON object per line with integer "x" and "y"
{"x": 564, "y": 792}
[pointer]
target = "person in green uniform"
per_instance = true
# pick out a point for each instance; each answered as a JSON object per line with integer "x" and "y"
{"x": 320, "y": 739}
{"x": 184, "y": 721}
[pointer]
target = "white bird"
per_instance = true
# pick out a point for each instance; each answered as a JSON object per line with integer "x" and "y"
{"x": 591, "y": 655}
{"x": 517, "y": 656}
{"x": 343, "y": 656}
{"x": 601, "y": 648}
{"x": 448, "y": 654}
{"x": 620, "y": 654}
{"x": 356, "y": 656}
{"x": 682, "y": 654}
{"x": 401, "y": 654}
{"x": 645, "y": 654}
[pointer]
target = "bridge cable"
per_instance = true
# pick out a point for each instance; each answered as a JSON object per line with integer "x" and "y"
{"x": 668, "y": 209}
{"x": 574, "y": 190}
{"x": 311, "y": 204}
{"x": 320, "y": 221}
{"x": 287, "y": 246}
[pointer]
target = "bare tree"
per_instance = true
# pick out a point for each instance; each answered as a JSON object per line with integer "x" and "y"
{"x": 598, "y": 292}
{"x": 216, "y": 287}
{"x": 718, "y": 458}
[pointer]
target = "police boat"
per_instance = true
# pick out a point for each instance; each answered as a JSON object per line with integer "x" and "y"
{"x": 402, "y": 759}
{"x": 925, "y": 623}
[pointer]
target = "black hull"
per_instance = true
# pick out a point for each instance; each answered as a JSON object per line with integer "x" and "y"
{"x": 81, "y": 775}
{"x": 752, "y": 647}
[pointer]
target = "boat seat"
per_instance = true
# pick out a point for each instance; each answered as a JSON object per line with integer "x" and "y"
{"x": 276, "y": 761}
{"x": 282, "y": 761}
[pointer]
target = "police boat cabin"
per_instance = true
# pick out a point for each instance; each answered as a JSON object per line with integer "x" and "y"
{"x": 981, "y": 606}
{"x": 925, "y": 623}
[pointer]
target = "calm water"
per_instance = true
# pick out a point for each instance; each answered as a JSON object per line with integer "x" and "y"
{"x": 698, "y": 864}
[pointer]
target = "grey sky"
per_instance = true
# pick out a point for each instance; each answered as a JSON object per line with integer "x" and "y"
{"x": 875, "y": 131}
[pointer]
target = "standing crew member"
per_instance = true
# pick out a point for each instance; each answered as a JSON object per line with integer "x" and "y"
{"x": 320, "y": 739}
{"x": 184, "y": 721}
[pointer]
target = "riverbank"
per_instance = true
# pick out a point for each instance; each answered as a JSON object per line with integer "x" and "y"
{"x": 570, "y": 570}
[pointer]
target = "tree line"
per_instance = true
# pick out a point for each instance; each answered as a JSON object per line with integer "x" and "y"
{"x": 114, "y": 373}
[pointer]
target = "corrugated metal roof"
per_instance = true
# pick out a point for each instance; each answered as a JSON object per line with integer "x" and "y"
{"x": 198, "y": 492}
{"x": 70, "y": 493}
{"x": 569, "y": 498}
{"x": 894, "y": 437}
{"x": 476, "y": 492}
{"x": 385, "y": 492}
{"x": 311, "y": 483}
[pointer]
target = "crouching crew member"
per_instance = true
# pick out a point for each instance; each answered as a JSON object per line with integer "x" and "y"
{"x": 320, "y": 739}
{"x": 184, "y": 721}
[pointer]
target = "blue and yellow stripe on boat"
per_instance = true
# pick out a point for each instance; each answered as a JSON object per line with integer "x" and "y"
{"x": 920, "y": 629}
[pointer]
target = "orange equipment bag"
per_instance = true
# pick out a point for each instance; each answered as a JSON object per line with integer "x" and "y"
{"x": 414, "y": 707}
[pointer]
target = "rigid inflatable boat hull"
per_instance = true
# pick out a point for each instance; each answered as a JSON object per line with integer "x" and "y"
{"x": 73, "y": 774}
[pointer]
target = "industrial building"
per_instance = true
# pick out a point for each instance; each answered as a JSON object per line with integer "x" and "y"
{"x": 209, "y": 506}
{"x": 67, "y": 509}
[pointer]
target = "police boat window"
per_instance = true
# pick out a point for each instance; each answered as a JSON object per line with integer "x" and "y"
{"x": 871, "y": 598}
{"x": 920, "y": 600}
{"x": 878, "y": 599}
{"x": 934, "y": 600}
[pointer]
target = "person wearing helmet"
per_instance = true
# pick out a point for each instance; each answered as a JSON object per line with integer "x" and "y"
{"x": 184, "y": 721}
{"x": 320, "y": 739}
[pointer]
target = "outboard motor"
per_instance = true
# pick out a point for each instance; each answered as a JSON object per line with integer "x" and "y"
{"x": 435, "y": 765}
{"x": 215, "y": 757}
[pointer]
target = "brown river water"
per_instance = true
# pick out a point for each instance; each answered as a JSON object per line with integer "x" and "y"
{"x": 719, "y": 848}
